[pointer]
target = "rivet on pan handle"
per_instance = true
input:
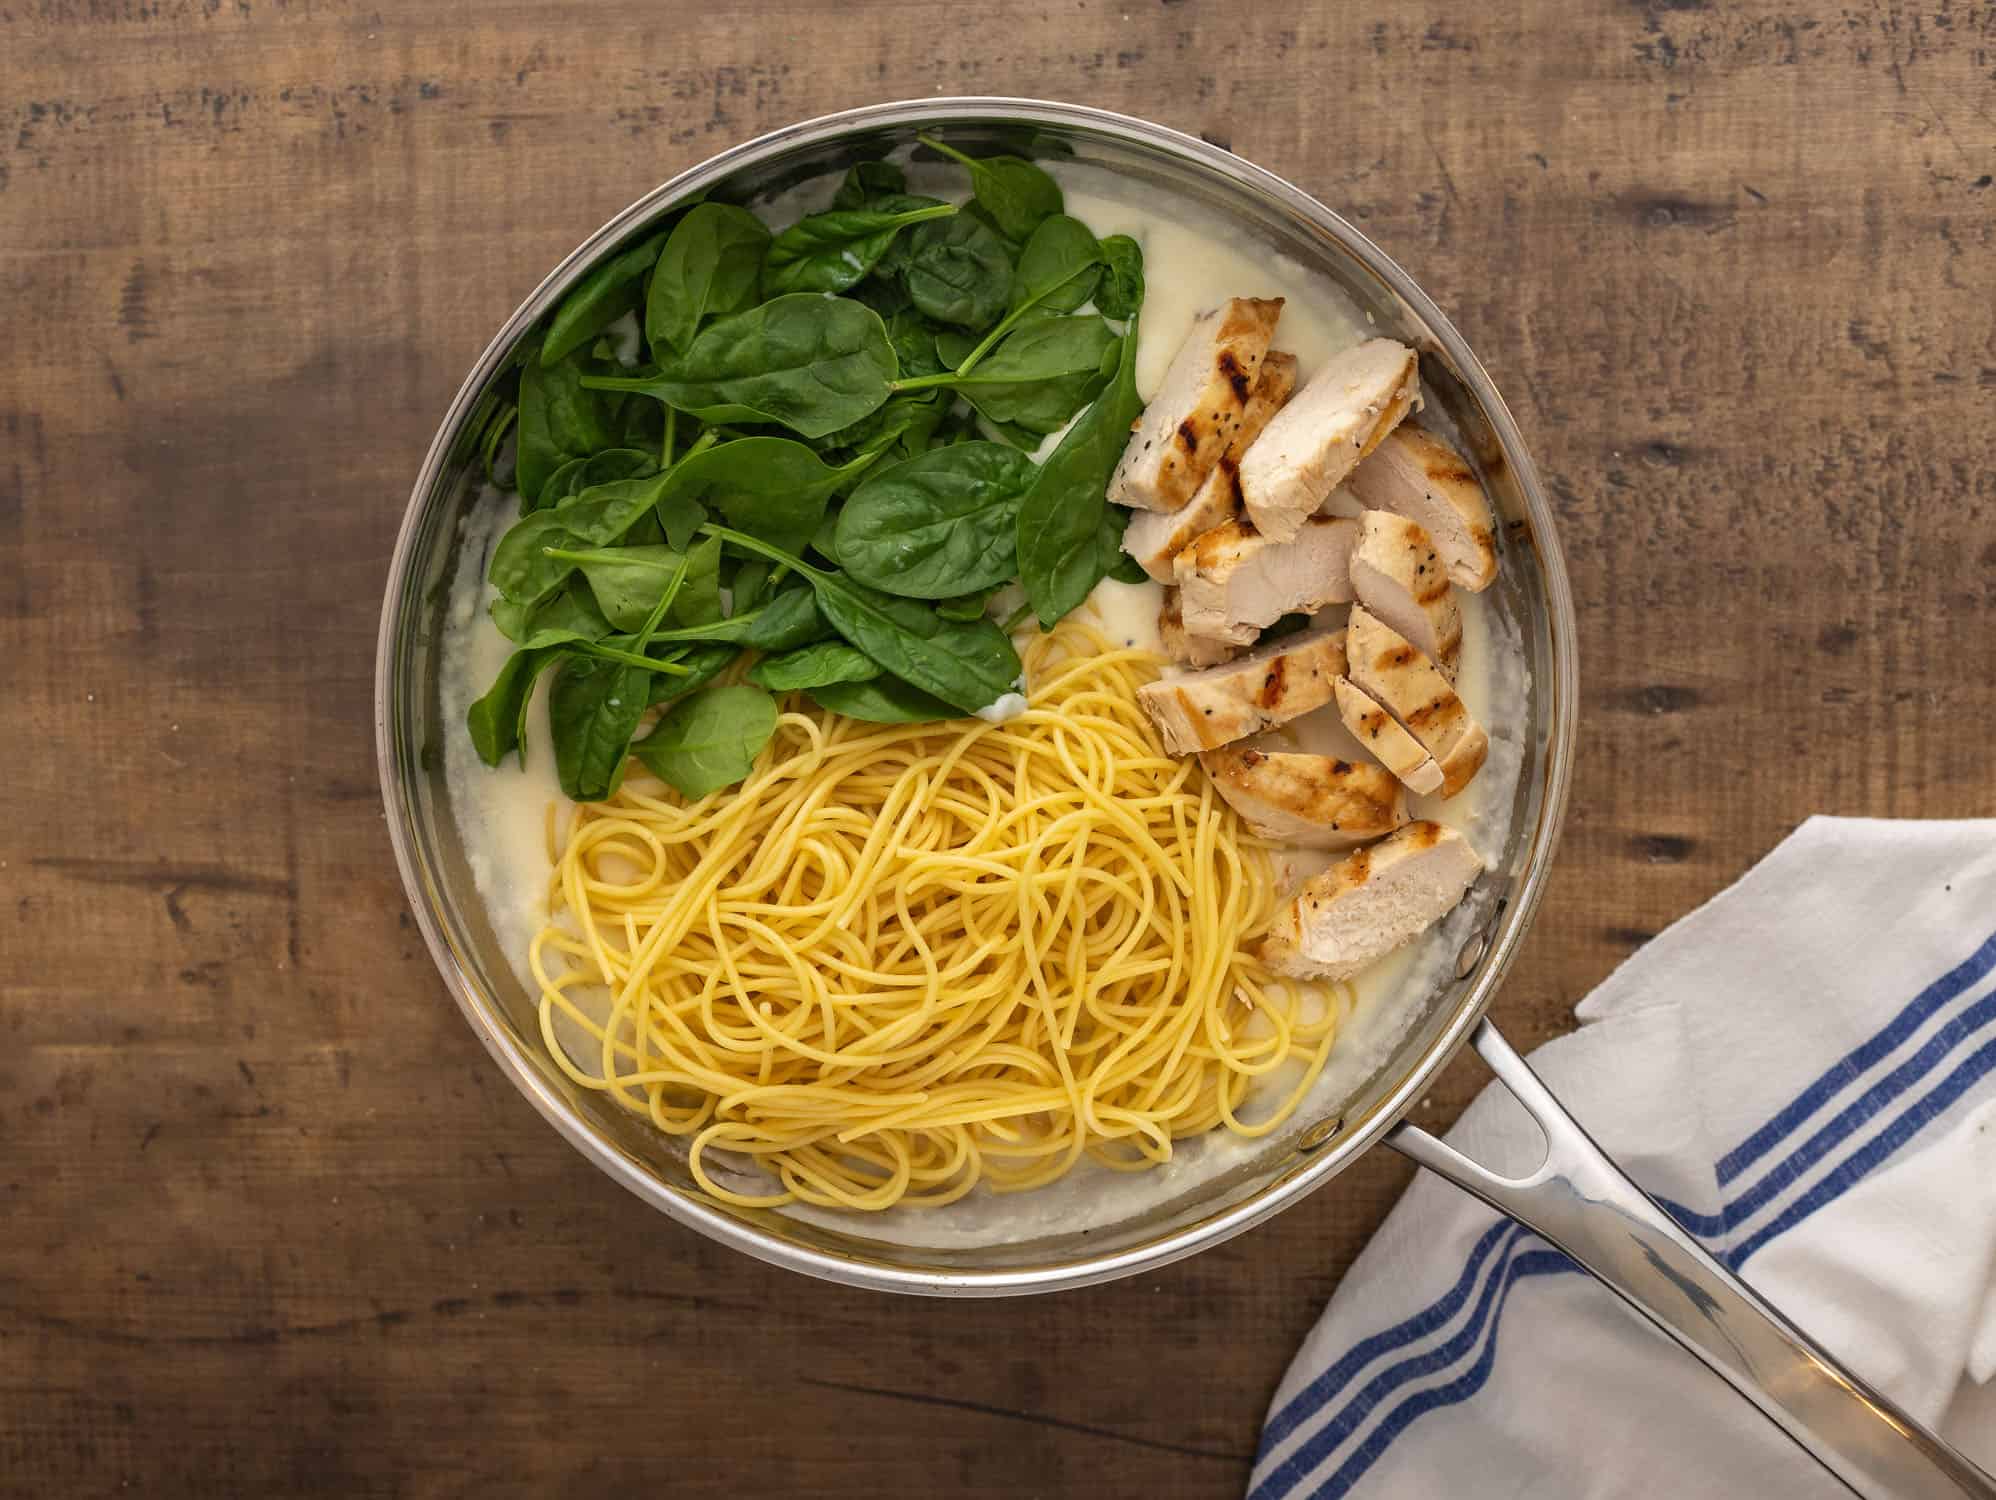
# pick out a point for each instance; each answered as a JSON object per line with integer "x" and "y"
{"x": 1585, "y": 1205}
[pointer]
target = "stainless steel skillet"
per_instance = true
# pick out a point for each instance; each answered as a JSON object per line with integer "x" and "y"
{"x": 1578, "y": 1199}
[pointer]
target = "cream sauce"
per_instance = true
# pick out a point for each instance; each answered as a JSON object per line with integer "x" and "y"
{"x": 1190, "y": 263}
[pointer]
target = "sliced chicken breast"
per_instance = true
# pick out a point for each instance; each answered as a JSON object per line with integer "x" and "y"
{"x": 1371, "y": 902}
{"x": 1234, "y": 581}
{"x": 1155, "y": 537}
{"x": 1417, "y": 475}
{"x": 1183, "y": 646}
{"x": 1316, "y": 801}
{"x": 1199, "y": 407}
{"x": 1270, "y": 685}
{"x": 1402, "y": 679}
{"x": 1377, "y": 730}
{"x": 1319, "y": 437}
{"x": 1397, "y": 574}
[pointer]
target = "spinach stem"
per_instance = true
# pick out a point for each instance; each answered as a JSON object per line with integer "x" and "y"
{"x": 630, "y": 658}
{"x": 762, "y": 549}
{"x": 701, "y": 444}
{"x": 919, "y": 215}
{"x": 924, "y": 382}
{"x": 610, "y": 555}
{"x": 657, "y": 615}
{"x": 671, "y": 434}
{"x": 1017, "y": 618}
{"x": 950, "y": 151}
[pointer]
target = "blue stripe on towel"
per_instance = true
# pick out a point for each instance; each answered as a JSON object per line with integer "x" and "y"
{"x": 1855, "y": 1062}
{"x": 1369, "y": 1397}
{"x": 1853, "y": 1169}
{"x": 1332, "y": 1381}
{"x": 1312, "y": 1399}
{"x": 1540, "y": 1262}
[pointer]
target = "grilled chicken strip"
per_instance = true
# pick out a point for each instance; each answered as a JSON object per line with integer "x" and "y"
{"x": 1389, "y": 668}
{"x": 1182, "y": 646}
{"x": 1338, "y": 417}
{"x": 1199, "y": 407}
{"x": 1234, "y": 581}
{"x": 1371, "y": 902}
{"x": 1397, "y": 574}
{"x": 1155, "y": 537}
{"x": 1377, "y": 730}
{"x": 1268, "y": 686}
{"x": 1415, "y": 474}
{"x": 1316, "y": 801}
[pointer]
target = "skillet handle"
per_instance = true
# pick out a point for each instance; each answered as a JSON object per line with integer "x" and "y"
{"x": 1586, "y": 1206}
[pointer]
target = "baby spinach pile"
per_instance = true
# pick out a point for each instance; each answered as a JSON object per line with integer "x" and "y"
{"x": 824, "y": 462}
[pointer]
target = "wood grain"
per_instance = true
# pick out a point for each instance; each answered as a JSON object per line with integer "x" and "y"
{"x": 274, "y": 1224}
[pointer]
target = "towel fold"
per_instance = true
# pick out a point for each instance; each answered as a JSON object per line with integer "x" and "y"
{"x": 1804, "y": 1072}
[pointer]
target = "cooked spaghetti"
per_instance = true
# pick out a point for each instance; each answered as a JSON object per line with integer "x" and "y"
{"x": 901, "y": 960}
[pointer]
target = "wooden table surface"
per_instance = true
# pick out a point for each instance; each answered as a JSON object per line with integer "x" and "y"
{"x": 270, "y": 1221}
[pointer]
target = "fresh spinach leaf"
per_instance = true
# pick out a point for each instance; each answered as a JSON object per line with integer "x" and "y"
{"x": 579, "y": 474}
{"x": 613, "y": 464}
{"x": 982, "y": 214}
{"x": 882, "y": 700}
{"x": 1121, "y": 291}
{"x": 745, "y": 589}
{"x": 790, "y": 619}
{"x": 771, "y": 487}
{"x": 570, "y": 615}
{"x": 1017, "y": 194}
{"x": 599, "y": 695}
{"x": 957, "y": 272}
{"x": 937, "y": 525}
{"x": 703, "y": 662}
{"x": 1059, "y": 267}
{"x": 953, "y": 347}
{"x": 628, "y": 581}
{"x": 498, "y": 720}
{"x": 894, "y": 260}
{"x": 866, "y": 180}
{"x": 830, "y": 252}
{"x": 812, "y": 364}
{"x": 1061, "y": 516}
{"x": 521, "y": 570}
{"x": 560, "y": 419}
{"x": 709, "y": 266}
{"x": 1058, "y": 271}
{"x": 599, "y": 299}
{"x": 964, "y": 606}
{"x": 709, "y": 740}
{"x": 917, "y": 343}
{"x": 593, "y": 710}
{"x": 1043, "y": 374}
{"x": 905, "y": 422}
{"x": 970, "y": 664}
{"x": 1011, "y": 435}
{"x": 882, "y": 292}
{"x": 813, "y": 666}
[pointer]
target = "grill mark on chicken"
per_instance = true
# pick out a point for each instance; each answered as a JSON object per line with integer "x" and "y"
{"x": 1272, "y": 684}
{"x": 1429, "y": 712}
{"x": 1188, "y": 436}
{"x": 1235, "y": 376}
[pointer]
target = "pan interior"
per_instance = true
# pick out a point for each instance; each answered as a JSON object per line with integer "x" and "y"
{"x": 1097, "y": 1223}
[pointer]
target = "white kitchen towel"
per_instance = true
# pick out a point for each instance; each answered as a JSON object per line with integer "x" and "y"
{"x": 1804, "y": 1073}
